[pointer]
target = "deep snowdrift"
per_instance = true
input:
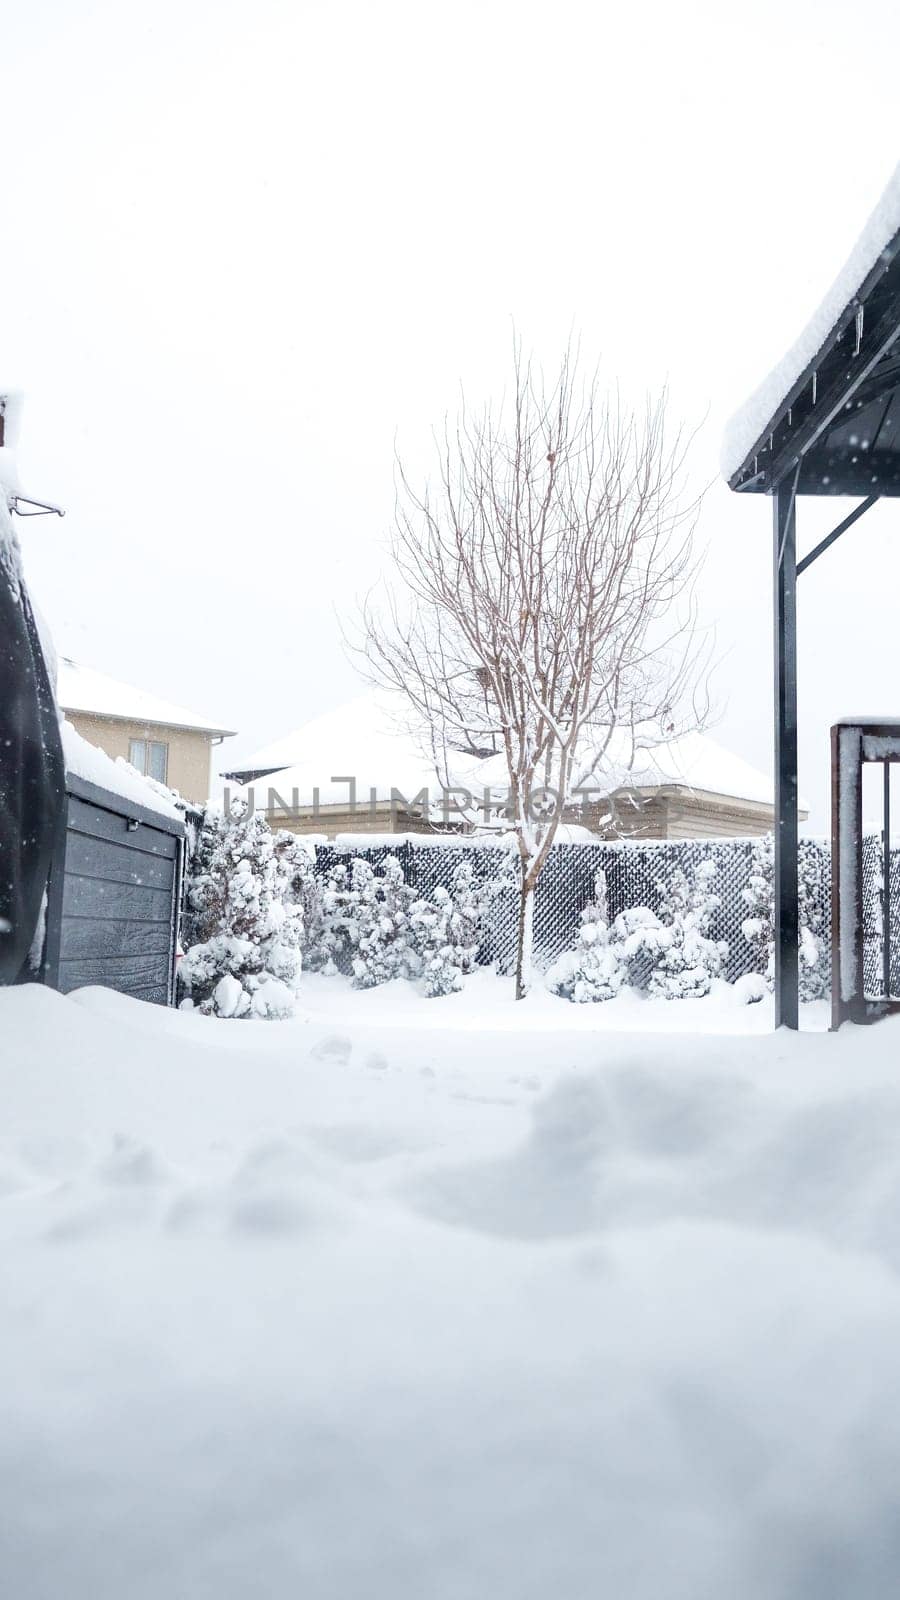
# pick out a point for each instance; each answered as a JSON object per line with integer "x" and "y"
{"x": 309, "y": 1309}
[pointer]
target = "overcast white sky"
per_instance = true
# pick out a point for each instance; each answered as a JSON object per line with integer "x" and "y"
{"x": 246, "y": 245}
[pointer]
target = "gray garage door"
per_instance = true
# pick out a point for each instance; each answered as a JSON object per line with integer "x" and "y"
{"x": 113, "y": 913}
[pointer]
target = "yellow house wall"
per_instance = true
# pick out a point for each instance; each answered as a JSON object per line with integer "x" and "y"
{"x": 189, "y": 750}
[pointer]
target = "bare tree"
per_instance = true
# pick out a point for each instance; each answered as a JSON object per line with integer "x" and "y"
{"x": 542, "y": 598}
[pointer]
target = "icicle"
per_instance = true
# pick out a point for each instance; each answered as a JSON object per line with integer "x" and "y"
{"x": 860, "y": 314}
{"x": 815, "y": 386}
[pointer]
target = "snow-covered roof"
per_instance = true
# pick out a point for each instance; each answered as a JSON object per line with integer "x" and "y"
{"x": 750, "y": 425}
{"x": 81, "y": 688}
{"x": 366, "y": 739}
{"x": 95, "y": 766}
{"x": 695, "y": 761}
{"x": 699, "y": 762}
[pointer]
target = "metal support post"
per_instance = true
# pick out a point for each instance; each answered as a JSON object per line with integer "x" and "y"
{"x": 886, "y": 890}
{"x": 786, "y": 878}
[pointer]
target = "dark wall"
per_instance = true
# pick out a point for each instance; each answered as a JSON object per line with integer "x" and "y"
{"x": 31, "y": 771}
{"x": 113, "y": 913}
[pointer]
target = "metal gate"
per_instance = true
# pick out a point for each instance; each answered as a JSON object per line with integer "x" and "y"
{"x": 865, "y": 876}
{"x": 881, "y": 917}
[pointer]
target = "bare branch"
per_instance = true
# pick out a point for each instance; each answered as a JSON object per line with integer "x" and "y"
{"x": 542, "y": 598}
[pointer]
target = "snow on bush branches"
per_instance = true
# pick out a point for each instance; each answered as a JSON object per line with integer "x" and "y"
{"x": 759, "y": 927}
{"x": 263, "y": 905}
{"x": 256, "y": 911}
{"x": 668, "y": 953}
{"x": 243, "y": 923}
{"x": 376, "y": 927}
{"x": 447, "y": 931}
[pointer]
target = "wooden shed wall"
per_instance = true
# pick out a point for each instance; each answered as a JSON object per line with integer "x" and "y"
{"x": 112, "y": 915}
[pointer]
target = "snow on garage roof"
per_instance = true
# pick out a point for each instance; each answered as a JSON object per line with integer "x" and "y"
{"x": 749, "y": 426}
{"x": 95, "y": 766}
{"x": 83, "y": 689}
{"x": 365, "y": 739}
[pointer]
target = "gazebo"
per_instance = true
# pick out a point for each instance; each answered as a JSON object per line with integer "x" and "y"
{"x": 825, "y": 422}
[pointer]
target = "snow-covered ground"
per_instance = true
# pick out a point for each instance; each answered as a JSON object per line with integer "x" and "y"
{"x": 361, "y": 1307}
{"x": 486, "y": 1004}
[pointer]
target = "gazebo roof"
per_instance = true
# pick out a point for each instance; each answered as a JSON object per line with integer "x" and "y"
{"x": 832, "y": 405}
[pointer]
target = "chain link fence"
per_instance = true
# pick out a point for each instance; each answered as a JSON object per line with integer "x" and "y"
{"x": 635, "y": 870}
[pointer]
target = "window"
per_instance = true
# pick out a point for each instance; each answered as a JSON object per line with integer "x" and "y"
{"x": 150, "y": 757}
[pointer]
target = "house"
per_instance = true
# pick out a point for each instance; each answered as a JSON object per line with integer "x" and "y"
{"x": 162, "y": 741}
{"x": 358, "y": 770}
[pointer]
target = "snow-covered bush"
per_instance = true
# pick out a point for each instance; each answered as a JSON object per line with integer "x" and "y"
{"x": 446, "y": 931}
{"x": 750, "y": 989}
{"x": 669, "y": 954}
{"x": 759, "y": 927}
{"x": 690, "y": 960}
{"x": 593, "y": 970}
{"x": 469, "y": 911}
{"x": 373, "y": 926}
{"x": 243, "y": 933}
{"x": 302, "y": 888}
{"x": 638, "y": 940}
{"x": 815, "y": 979}
{"x": 385, "y": 947}
{"x": 366, "y": 923}
{"x": 431, "y": 926}
{"x": 338, "y": 905}
{"x": 759, "y": 897}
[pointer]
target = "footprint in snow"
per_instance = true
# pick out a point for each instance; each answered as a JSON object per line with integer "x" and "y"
{"x": 275, "y": 1191}
{"x": 52, "y": 1155}
{"x": 274, "y": 1212}
{"x": 335, "y": 1048}
{"x": 132, "y": 1165}
{"x": 550, "y": 1187}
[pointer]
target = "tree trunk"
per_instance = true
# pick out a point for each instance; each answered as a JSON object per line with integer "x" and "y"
{"x": 524, "y": 936}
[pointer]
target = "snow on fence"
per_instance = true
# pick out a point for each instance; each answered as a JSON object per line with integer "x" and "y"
{"x": 872, "y": 890}
{"x": 635, "y": 872}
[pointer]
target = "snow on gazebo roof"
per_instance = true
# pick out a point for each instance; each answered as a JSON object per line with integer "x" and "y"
{"x": 799, "y": 400}
{"x": 368, "y": 739}
{"x": 83, "y": 689}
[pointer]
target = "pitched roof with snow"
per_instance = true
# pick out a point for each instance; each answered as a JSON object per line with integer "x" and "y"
{"x": 82, "y": 689}
{"x": 848, "y": 343}
{"x": 695, "y": 762}
{"x": 366, "y": 739}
